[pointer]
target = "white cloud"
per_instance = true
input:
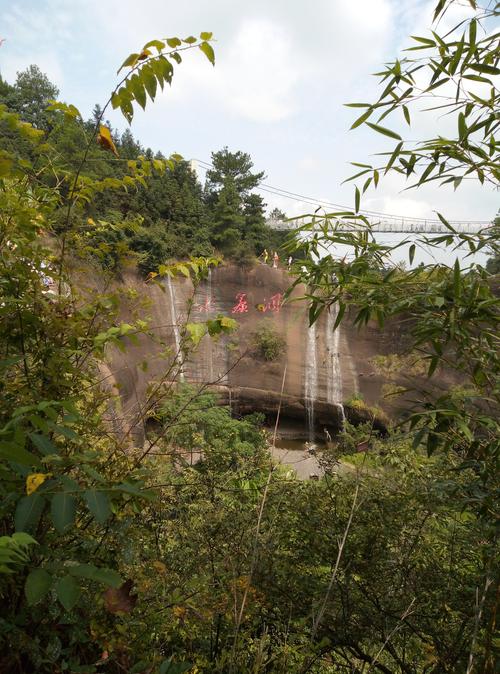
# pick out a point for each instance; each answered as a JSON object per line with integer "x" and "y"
{"x": 309, "y": 163}
{"x": 258, "y": 74}
{"x": 404, "y": 206}
{"x": 269, "y": 57}
{"x": 283, "y": 70}
{"x": 47, "y": 61}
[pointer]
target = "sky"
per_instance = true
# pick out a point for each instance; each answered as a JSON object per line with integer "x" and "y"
{"x": 284, "y": 69}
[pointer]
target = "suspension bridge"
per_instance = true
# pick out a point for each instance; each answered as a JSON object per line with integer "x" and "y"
{"x": 379, "y": 222}
{"x": 387, "y": 224}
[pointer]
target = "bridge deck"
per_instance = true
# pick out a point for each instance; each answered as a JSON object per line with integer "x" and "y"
{"x": 388, "y": 225}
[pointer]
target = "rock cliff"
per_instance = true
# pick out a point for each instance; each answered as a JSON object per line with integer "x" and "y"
{"x": 324, "y": 369}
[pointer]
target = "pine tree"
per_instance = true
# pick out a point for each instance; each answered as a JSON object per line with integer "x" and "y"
{"x": 30, "y": 97}
{"x": 255, "y": 222}
{"x": 228, "y": 219}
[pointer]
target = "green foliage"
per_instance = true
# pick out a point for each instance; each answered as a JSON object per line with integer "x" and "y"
{"x": 446, "y": 69}
{"x": 148, "y": 69}
{"x": 37, "y": 585}
{"x": 493, "y": 263}
{"x": 222, "y": 443}
{"x": 66, "y": 485}
{"x": 451, "y": 314}
{"x": 168, "y": 541}
{"x": 268, "y": 344}
{"x": 239, "y": 227}
{"x": 30, "y": 97}
{"x": 14, "y": 551}
{"x": 235, "y": 167}
{"x": 144, "y": 209}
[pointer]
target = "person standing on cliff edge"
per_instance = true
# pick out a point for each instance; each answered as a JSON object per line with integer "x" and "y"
{"x": 275, "y": 260}
{"x": 265, "y": 255}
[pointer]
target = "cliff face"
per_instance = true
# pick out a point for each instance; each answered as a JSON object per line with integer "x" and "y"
{"x": 323, "y": 368}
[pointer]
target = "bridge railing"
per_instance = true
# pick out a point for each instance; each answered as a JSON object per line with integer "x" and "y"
{"x": 388, "y": 225}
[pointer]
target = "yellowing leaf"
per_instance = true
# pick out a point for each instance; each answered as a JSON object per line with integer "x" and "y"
{"x": 179, "y": 612}
{"x": 207, "y": 49}
{"x": 173, "y": 42}
{"x": 160, "y": 566}
{"x": 228, "y": 323}
{"x": 130, "y": 61}
{"x": 144, "y": 54}
{"x": 104, "y": 139}
{"x": 196, "y": 332}
{"x": 34, "y": 480}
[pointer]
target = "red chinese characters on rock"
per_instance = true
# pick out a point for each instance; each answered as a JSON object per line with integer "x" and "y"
{"x": 241, "y": 306}
{"x": 206, "y": 307}
{"x": 274, "y": 303}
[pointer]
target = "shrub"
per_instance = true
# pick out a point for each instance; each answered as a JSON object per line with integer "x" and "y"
{"x": 267, "y": 343}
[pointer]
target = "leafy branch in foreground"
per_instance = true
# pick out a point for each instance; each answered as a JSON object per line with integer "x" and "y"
{"x": 454, "y": 74}
{"x": 449, "y": 314}
{"x": 149, "y": 69}
{"x": 66, "y": 481}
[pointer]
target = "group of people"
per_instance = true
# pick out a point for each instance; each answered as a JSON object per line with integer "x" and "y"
{"x": 276, "y": 259}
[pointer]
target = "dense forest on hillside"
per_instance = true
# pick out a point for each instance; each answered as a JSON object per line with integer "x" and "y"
{"x": 169, "y": 215}
{"x": 117, "y": 554}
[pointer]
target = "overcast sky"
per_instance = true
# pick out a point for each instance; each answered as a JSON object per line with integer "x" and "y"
{"x": 283, "y": 70}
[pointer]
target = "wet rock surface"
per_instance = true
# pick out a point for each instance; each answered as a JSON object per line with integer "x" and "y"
{"x": 340, "y": 369}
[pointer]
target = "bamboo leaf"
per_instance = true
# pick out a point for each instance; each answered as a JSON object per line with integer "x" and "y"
{"x": 483, "y": 68}
{"x": 393, "y": 157}
{"x": 362, "y": 118}
{"x": 357, "y": 199}
{"x": 446, "y": 223}
{"x": 456, "y": 279}
{"x": 384, "y": 131}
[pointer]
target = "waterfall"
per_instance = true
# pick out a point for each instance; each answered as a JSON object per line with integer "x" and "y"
{"x": 175, "y": 327}
{"x": 209, "y": 302}
{"x": 311, "y": 379}
{"x": 334, "y": 372}
{"x": 217, "y": 348}
{"x": 209, "y": 288}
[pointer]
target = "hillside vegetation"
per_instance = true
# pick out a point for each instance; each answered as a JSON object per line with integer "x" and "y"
{"x": 166, "y": 215}
{"x": 177, "y": 545}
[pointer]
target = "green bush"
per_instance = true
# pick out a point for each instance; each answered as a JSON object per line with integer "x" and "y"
{"x": 267, "y": 343}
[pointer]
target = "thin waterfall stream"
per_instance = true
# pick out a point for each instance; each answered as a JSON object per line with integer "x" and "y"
{"x": 311, "y": 379}
{"x": 209, "y": 302}
{"x": 334, "y": 372}
{"x": 175, "y": 327}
